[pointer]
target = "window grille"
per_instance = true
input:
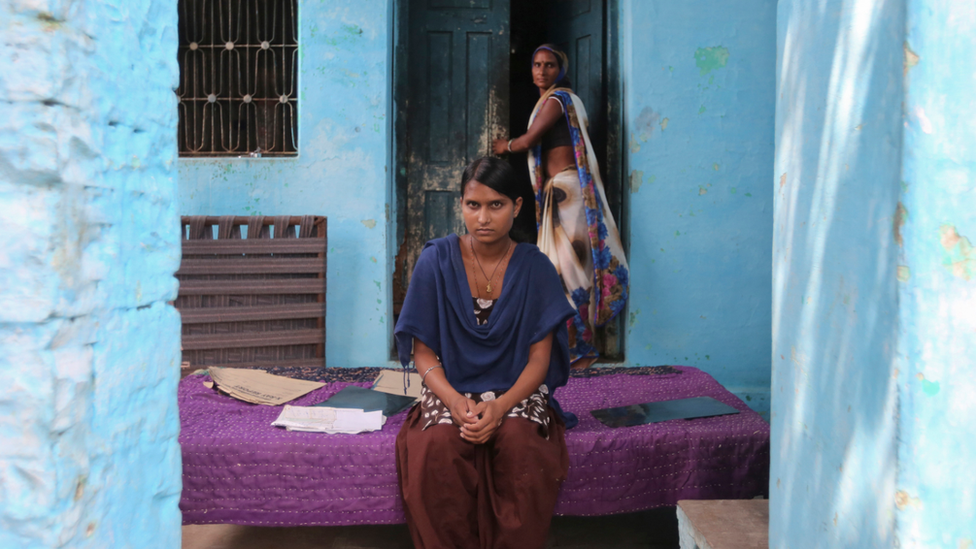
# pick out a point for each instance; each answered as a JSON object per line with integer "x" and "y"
{"x": 238, "y": 78}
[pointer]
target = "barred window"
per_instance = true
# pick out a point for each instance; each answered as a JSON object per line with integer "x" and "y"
{"x": 238, "y": 78}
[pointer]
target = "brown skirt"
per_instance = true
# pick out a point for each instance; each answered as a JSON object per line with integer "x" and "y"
{"x": 501, "y": 494}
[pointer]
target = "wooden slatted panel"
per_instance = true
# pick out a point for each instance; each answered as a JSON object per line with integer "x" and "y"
{"x": 242, "y": 314}
{"x": 194, "y": 265}
{"x": 253, "y": 287}
{"x": 260, "y": 246}
{"x": 250, "y": 339}
{"x": 252, "y": 291}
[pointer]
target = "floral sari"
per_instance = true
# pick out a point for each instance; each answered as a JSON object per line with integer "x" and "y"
{"x": 577, "y": 231}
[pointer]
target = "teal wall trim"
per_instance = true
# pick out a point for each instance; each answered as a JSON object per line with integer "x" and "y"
{"x": 698, "y": 86}
{"x": 89, "y": 242}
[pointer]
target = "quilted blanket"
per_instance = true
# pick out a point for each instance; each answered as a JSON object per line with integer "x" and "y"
{"x": 239, "y": 469}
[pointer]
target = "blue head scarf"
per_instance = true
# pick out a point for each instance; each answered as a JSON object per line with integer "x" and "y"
{"x": 560, "y": 57}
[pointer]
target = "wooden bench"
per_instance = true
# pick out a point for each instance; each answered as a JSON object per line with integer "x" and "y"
{"x": 253, "y": 298}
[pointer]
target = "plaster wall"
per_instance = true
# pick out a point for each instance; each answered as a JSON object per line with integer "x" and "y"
{"x": 342, "y": 171}
{"x": 836, "y": 319}
{"x": 936, "y": 497}
{"x": 698, "y": 80}
{"x": 88, "y": 245}
{"x": 699, "y": 118}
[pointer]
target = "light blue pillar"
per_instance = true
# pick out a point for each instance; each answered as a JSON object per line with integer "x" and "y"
{"x": 835, "y": 303}
{"x": 936, "y": 497}
{"x": 874, "y": 276}
{"x": 88, "y": 246}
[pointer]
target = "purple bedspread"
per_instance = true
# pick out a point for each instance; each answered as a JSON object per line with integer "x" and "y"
{"x": 238, "y": 469}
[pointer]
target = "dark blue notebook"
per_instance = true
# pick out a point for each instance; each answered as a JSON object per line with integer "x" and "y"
{"x": 653, "y": 412}
{"x": 369, "y": 400}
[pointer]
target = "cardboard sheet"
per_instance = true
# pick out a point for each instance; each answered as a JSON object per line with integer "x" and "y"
{"x": 391, "y": 381}
{"x": 260, "y": 387}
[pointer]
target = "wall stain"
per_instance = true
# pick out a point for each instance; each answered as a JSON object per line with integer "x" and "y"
{"x": 911, "y": 58}
{"x": 901, "y": 214}
{"x": 636, "y": 180}
{"x": 369, "y": 223}
{"x": 903, "y": 500}
{"x": 709, "y": 59}
{"x": 904, "y": 273}
{"x": 645, "y": 122}
{"x": 923, "y": 120}
{"x": 664, "y": 124}
{"x": 930, "y": 388}
{"x": 633, "y": 317}
{"x": 634, "y": 144}
{"x": 959, "y": 257}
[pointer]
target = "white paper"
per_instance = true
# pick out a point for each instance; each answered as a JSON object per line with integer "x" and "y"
{"x": 323, "y": 419}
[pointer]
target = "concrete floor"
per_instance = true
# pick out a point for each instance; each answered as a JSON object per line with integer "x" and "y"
{"x": 655, "y": 529}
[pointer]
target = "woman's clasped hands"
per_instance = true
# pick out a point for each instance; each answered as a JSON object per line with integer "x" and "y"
{"x": 478, "y": 422}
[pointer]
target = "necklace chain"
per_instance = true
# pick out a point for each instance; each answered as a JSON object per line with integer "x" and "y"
{"x": 476, "y": 258}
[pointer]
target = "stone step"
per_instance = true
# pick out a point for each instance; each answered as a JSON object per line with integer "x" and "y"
{"x": 723, "y": 524}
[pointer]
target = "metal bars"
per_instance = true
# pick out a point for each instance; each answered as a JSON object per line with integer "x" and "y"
{"x": 238, "y": 78}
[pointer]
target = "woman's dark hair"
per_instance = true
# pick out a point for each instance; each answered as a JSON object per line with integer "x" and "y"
{"x": 494, "y": 173}
{"x": 562, "y": 81}
{"x": 499, "y": 176}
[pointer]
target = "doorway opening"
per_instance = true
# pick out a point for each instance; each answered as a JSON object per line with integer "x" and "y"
{"x": 462, "y": 78}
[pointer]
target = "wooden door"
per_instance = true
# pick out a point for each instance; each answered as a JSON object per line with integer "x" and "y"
{"x": 577, "y": 27}
{"x": 457, "y": 75}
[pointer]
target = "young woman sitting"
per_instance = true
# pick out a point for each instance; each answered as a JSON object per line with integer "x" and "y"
{"x": 481, "y": 458}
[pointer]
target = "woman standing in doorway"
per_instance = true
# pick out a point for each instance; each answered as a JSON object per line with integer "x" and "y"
{"x": 576, "y": 229}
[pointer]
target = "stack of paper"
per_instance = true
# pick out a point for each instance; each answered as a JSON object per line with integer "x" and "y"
{"x": 323, "y": 419}
{"x": 260, "y": 387}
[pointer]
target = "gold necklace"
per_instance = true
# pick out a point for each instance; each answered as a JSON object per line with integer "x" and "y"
{"x": 492, "y": 277}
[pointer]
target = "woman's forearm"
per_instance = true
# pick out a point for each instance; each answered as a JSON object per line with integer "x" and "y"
{"x": 432, "y": 373}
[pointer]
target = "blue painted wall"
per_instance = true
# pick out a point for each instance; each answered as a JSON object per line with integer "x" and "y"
{"x": 342, "y": 170}
{"x": 699, "y": 100}
{"x": 89, "y": 243}
{"x": 874, "y": 285}
{"x": 835, "y": 305}
{"x": 936, "y": 497}
{"x": 699, "y": 117}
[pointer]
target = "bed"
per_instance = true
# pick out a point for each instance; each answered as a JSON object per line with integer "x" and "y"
{"x": 237, "y": 469}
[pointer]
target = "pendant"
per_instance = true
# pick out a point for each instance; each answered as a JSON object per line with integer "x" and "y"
{"x": 488, "y": 289}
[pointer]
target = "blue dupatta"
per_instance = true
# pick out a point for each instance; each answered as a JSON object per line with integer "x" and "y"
{"x": 438, "y": 310}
